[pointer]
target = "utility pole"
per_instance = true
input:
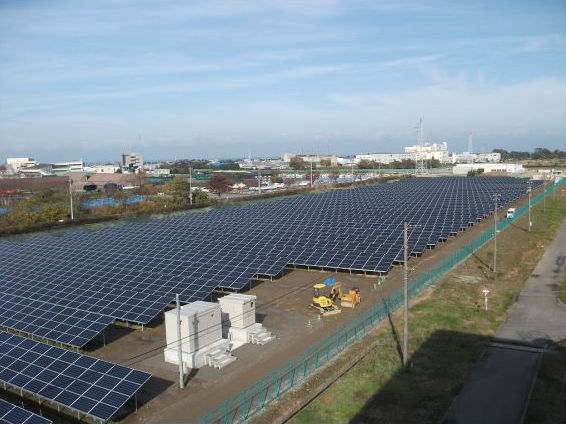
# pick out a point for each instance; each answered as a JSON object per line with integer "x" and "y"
{"x": 544, "y": 195}
{"x": 406, "y": 295}
{"x": 258, "y": 181}
{"x": 179, "y": 347}
{"x": 529, "y": 191}
{"x": 191, "y": 185}
{"x": 496, "y": 197}
{"x": 311, "y": 172}
{"x": 71, "y": 197}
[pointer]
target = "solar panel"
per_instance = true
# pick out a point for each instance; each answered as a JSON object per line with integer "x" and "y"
{"x": 12, "y": 414}
{"x": 79, "y": 382}
{"x": 131, "y": 272}
{"x": 50, "y": 321}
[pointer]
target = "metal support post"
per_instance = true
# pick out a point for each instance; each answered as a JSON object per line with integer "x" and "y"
{"x": 259, "y": 181}
{"x": 71, "y": 198}
{"x": 406, "y": 295}
{"x": 191, "y": 185}
{"x": 544, "y": 196}
{"x": 529, "y": 191}
{"x": 179, "y": 347}
{"x": 496, "y": 198}
{"x": 311, "y": 172}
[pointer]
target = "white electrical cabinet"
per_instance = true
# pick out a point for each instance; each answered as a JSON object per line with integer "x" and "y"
{"x": 200, "y": 326}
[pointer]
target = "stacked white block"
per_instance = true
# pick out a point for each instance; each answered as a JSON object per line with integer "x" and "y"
{"x": 239, "y": 320}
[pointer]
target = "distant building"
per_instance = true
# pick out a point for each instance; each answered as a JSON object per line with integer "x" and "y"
{"x": 159, "y": 172}
{"x": 438, "y": 151}
{"x": 14, "y": 165}
{"x": 315, "y": 159}
{"x": 64, "y": 167}
{"x": 346, "y": 161}
{"x": 509, "y": 168}
{"x": 98, "y": 181}
{"x": 427, "y": 151}
{"x": 131, "y": 161}
{"x": 467, "y": 157}
{"x": 387, "y": 158}
{"x": 102, "y": 169}
{"x": 39, "y": 170}
{"x": 30, "y": 168}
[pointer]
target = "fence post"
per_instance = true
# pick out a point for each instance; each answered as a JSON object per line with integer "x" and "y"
{"x": 291, "y": 379}
{"x": 244, "y": 404}
{"x": 225, "y": 412}
{"x": 261, "y": 391}
{"x": 278, "y": 382}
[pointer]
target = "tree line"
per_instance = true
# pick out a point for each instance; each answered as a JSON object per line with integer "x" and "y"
{"x": 539, "y": 153}
{"x": 184, "y": 166}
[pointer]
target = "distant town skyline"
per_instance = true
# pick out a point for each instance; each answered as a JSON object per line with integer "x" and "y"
{"x": 217, "y": 79}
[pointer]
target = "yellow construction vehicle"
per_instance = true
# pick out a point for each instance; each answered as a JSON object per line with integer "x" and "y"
{"x": 323, "y": 303}
{"x": 351, "y": 299}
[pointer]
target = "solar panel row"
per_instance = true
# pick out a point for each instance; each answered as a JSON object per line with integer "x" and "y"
{"x": 133, "y": 271}
{"x": 12, "y": 414}
{"x": 79, "y": 382}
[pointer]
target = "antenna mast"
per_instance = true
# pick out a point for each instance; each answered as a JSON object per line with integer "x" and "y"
{"x": 420, "y": 165}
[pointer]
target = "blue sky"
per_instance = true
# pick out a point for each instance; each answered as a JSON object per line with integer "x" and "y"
{"x": 217, "y": 79}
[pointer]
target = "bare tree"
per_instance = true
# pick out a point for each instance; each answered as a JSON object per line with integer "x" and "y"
{"x": 219, "y": 184}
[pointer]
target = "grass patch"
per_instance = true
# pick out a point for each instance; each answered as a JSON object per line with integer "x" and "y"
{"x": 548, "y": 400}
{"x": 562, "y": 293}
{"x": 448, "y": 332}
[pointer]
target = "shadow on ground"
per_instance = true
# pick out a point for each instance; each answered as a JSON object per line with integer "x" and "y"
{"x": 438, "y": 371}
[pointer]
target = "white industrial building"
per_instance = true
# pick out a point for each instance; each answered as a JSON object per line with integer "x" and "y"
{"x": 315, "y": 159}
{"x": 510, "y": 168}
{"x": 71, "y": 166}
{"x": 102, "y": 169}
{"x": 467, "y": 157}
{"x": 14, "y": 165}
{"x": 438, "y": 151}
{"x": 387, "y": 158}
{"x": 427, "y": 151}
{"x": 31, "y": 168}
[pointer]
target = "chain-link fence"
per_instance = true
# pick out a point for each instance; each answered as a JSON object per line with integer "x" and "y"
{"x": 254, "y": 398}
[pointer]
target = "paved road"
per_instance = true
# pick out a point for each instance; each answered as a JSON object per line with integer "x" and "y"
{"x": 499, "y": 388}
{"x": 537, "y": 317}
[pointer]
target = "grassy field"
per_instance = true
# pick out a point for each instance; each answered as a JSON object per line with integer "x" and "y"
{"x": 448, "y": 332}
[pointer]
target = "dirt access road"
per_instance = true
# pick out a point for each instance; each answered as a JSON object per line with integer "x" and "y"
{"x": 283, "y": 308}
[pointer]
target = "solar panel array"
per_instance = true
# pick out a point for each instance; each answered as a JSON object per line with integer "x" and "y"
{"x": 12, "y": 414}
{"x": 131, "y": 272}
{"x": 79, "y": 382}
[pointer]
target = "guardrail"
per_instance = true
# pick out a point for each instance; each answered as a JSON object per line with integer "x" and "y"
{"x": 288, "y": 376}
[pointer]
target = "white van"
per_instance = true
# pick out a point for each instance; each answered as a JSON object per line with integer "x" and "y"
{"x": 510, "y": 213}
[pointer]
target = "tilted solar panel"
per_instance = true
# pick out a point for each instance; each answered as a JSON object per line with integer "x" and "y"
{"x": 12, "y": 414}
{"x": 131, "y": 272}
{"x": 85, "y": 384}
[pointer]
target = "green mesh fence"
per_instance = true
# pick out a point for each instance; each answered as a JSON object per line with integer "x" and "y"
{"x": 254, "y": 398}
